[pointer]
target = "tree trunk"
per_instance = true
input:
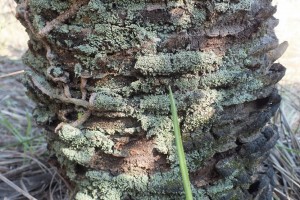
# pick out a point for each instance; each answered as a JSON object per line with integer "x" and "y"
{"x": 100, "y": 71}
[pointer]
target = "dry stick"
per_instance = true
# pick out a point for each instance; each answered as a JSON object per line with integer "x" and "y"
{"x": 50, "y": 186}
{"x": 287, "y": 175}
{"x": 12, "y": 74}
{"x": 43, "y": 167}
{"x": 282, "y": 194}
{"x": 18, "y": 170}
{"x": 23, "y": 185}
{"x": 17, "y": 188}
{"x": 285, "y": 121}
{"x": 275, "y": 161}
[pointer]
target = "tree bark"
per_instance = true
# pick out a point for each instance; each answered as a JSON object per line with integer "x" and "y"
{"x": 100, "y": 71}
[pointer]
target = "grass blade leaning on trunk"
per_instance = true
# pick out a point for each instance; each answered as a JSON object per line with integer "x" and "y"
{"x": 180, "y": 150}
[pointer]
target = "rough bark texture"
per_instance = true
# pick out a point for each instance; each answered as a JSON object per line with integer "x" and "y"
{"x": 100, "y": 75}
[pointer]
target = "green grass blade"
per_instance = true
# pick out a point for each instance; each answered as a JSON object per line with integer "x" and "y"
{"x": 180, "y": 150}
{"x": 24, "y": 141}
{"x": 29, "y": 132}
{"x": 29, "y": 126}
{"x": 10, "y": 127}
{"x": 288, "y": 149}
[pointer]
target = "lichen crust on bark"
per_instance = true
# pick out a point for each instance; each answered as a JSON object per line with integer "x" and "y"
{"x": 100, "y": 71}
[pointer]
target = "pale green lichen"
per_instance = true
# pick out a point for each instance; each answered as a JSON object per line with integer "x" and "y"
{"x": 156, "y": 103}
{"x": 42, "y": 5}
{"x": 223, "y": 77}
{"x": 147, "y": 85}
{"x": 64, "y": 28}
{"x": 87, "y": 49}
{"x": 220, "y": 187}
{"x": 195, "y": 158}
{"x": 187, "y": 83}
{"x": 161, "y": 128}
{"x": 57, "y": 71}
{"x": 109, "y": 101}
{"x": 201, "y": 112}
{"x": 122, "y": 38}
{"x": 86, "y": 62}
{"x": 82, "y": 157}
{"x": 198, "y": 115}
{"x": 86, "y": 139}
{"x": 160, "y": 104}
{"x": 96, "y": 5}
{"x": 175, "y": 3}
{"x": 182, "y": 62}
{"x": 43, "y": 115}
{"x": 117, "y": 186}
{"x": 154, "y": 124}
{"x": 35, "y": 61}
{"x": 199, "y": 15}
{"x": 242, "y": 5}
{"x": 164, "y": 143}
{"x": 77, "y": 69}
{"x": 243, "y": 92}
{"x": 81, "y": 196}
{"x": 141, "y": 186}
{"x": 222, "y": 7}
{"x": 38, "y": 22}
{"x": 100, "y": 140}
{"x": 68, "y": 133}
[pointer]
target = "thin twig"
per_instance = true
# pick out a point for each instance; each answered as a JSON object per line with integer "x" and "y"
{"x": 17, "y": 188}
{"x": 20, "y": 169}
{"x": 12, "y": 74}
